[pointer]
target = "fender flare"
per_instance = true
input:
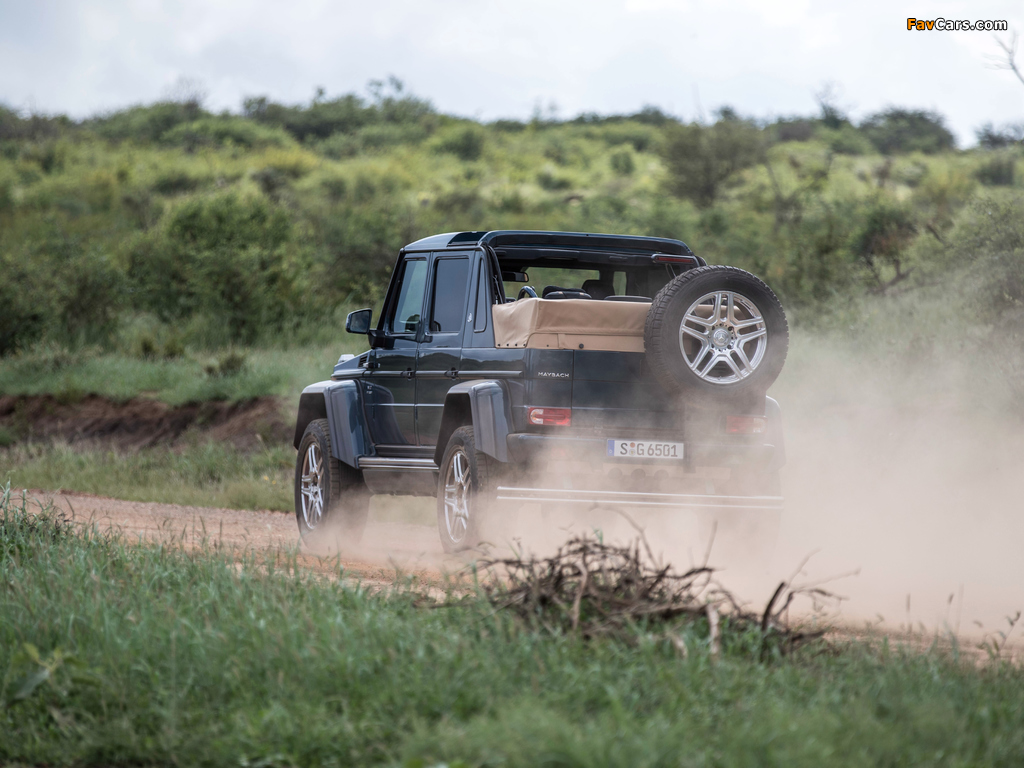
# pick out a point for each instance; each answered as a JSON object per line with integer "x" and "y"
{"x": 341, "y": 403}
{"x": 484, "y": 405}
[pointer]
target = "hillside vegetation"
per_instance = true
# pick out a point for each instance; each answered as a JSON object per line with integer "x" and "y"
{"x": 161, "y": 229}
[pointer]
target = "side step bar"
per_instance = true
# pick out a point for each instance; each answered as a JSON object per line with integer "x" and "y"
{"x": 383, "y": 462}
{"x": 639, "y": 499}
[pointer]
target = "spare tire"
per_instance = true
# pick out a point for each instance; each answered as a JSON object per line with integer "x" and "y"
{"x": 715, "y": 331}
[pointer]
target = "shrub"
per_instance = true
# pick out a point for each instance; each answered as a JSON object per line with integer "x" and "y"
{"x": 465, "y": 142}
{"x": 175, "y": 181}
{"x": 622, "y": 162}
{"x": 997, "y": 171}
{"x": 25, "y": 301}
{"x": 887, "y": 229}
{"x": 215, "y": 131}
{"x": 990, "y": 137}
{"x": 700, "y": 158}
{"x": 222, "y": 257}
{"x": 144, "y": 123}
{"x": 553, "y": 182}
{"x": 897, "y": 130}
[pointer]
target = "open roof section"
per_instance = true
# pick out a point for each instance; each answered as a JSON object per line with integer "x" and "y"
{"x": 526, "y": 246}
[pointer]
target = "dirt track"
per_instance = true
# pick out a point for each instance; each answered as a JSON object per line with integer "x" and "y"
{"x": 385, "y": 546}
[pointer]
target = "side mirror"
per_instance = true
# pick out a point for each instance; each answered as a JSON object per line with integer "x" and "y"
{"x": 358, "y": 321}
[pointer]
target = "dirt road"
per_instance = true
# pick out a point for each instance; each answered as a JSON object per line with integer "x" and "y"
{"x": 385, "y": 546}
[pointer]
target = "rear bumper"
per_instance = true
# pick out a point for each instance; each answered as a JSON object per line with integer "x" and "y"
{"x": 591, "y": 498}
{"x": 529, "y": 449}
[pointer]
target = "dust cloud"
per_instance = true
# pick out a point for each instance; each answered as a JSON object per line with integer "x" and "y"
{"x": 904, "y": 479}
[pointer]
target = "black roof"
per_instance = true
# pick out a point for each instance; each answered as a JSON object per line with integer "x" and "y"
{"x": 526, "y": 246}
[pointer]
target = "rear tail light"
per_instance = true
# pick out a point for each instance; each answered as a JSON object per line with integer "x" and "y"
{"x": 550, "y": 417}
{"x": 745, "y": 425}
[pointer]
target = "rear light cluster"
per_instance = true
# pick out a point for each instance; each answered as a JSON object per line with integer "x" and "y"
{"x": 745, "y": 425}
{"x": 550, "y": 417}
{"x": 665, "y": 258}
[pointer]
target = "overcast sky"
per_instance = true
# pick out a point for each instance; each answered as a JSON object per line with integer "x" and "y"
{"x": 501, "y": 58}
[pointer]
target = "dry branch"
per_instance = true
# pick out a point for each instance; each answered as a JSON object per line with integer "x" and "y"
{"x": 596, "y": 589}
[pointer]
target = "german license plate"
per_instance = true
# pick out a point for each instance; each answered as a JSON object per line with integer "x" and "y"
{"x": 644, "y": 449}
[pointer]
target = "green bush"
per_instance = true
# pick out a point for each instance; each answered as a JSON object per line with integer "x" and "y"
{"x": 466, "y": 142}
{"x": 175, "y": 181}
{"x": 144, "y": 123}
{"x": 215, "y": 131}
{"x": 998, "y": 171}
{"x": 222, "y": 257}
{"x": 26, "y": 303}
{"x": 700, "y": 158}
{"x": 896, "y": 130}
{"x": 622, "y": 162}
{"x": 880, "y": 241}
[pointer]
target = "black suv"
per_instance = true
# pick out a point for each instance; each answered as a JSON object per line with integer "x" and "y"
{"x": 623, "y": 371}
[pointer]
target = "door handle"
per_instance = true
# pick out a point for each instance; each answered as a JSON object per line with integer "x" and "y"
{"x": 408, "y": 373}
{"x": 452, "y": 373}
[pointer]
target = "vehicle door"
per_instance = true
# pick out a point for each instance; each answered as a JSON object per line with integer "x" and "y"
{"x": 391, "y": 382}
{"x": 437, "y": 365}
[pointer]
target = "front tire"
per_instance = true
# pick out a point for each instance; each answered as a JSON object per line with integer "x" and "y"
{"x": 330, "y": 496}
{"x": 463, "y": 490}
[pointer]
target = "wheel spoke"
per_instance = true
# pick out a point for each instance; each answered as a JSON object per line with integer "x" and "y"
{"x": 695, "y": 360}
{"x": 705, "y": 337}
{"x": 711, "y": 364}
{"x": 739, "y": 325}
{"x": 732, "y": 365}
{"x": 717, "y": 312}
{"x": 694, "y": 318}
{"x": 745, "y": 366}
{"x": 744, "y": 338}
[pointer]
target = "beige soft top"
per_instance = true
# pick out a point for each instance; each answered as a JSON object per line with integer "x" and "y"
{"x": 615, "y": 326}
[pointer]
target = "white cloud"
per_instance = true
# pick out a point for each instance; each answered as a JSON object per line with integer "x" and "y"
{"x": 500, "y": 58}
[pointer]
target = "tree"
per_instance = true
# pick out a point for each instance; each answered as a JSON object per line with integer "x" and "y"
{"x": 897, "y": 130}
{"x": 1010, "y": 52}
{"x": 700, "y": 158}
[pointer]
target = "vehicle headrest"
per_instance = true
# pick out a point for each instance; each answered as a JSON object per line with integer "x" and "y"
{"x": 598, "y": 290}
{"x": 555, "y": 292}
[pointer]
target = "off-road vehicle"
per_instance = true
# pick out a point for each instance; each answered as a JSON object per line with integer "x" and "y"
{"x": 554, "y": 367}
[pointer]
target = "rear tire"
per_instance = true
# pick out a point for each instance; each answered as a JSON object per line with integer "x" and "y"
{"x": 330, "y": 496}
{"x": 464, "y": 492}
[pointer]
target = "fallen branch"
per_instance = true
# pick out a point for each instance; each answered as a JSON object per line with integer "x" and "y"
{"x": 596, "y": 589}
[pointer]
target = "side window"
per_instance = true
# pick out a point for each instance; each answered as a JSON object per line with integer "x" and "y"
{"x": 483, "y": 300}
{"x": 448, "y": 303}
{"x": 404, "y": 315}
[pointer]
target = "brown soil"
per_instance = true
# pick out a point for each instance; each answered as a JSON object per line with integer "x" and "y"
{"x": 387, "y": 549}
{"x": 141, "y": 423}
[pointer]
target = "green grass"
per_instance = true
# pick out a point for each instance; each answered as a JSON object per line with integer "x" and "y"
{"x": 120, "y": 654}
{"x": 205, "y": 474}
{"x": 201, "y": 475}
{"x": 69, "y": 376}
